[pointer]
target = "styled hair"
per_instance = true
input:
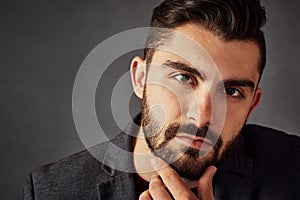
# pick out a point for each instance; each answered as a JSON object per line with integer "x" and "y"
{"x": 227, "y": 19}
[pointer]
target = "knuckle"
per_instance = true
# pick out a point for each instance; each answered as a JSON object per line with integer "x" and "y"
{"x": 205, "y": 185}
{"x": 171, "y": 175}
{"x": 155, "y": 185}
{"x": 209, "y": 186}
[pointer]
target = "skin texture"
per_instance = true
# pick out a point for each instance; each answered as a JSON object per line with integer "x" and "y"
{"x": 176, "y": 96}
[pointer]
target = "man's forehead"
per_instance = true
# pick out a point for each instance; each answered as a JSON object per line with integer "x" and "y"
{"x": 200, "y": 48}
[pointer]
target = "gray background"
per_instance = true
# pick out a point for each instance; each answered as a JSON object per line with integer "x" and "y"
{"x": 42, "y": 45}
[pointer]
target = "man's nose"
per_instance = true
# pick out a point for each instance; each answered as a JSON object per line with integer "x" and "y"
{"x": 199, "y": 107}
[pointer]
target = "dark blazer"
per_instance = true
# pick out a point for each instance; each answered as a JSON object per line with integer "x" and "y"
{"x": 265, "y": 164}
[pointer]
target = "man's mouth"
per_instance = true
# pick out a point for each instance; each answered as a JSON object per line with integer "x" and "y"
{"x": 193, "y": 141}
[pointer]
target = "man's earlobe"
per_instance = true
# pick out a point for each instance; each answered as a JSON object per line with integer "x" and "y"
{"x": 138, "y": 75}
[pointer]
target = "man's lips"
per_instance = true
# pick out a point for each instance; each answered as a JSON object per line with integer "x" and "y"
{"x": 195, "y": 142}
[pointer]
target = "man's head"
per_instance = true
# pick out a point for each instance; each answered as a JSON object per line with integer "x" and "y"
{"x": 180, "y": 118}
{"x": 227, "y": 19}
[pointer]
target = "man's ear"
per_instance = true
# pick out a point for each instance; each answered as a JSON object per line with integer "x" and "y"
{"x": 256, "y": 100}
{"x": 138, "y": 75}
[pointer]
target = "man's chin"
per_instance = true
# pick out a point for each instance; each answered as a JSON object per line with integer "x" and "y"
{"x": 191, "y": 168}
{"x": 189, "y": 165}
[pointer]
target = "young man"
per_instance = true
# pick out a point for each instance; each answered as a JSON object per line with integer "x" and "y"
{"x": 198, "y": 82}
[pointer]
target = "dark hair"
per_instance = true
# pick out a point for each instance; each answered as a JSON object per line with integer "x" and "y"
{"x": 228, "y": 19}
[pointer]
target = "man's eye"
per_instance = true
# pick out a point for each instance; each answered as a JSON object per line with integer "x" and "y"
{"x": 233, "y": 92}
{"x": 183, "y": 78}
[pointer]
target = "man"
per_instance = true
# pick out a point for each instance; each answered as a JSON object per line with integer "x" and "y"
{"x": 195, "y": 104}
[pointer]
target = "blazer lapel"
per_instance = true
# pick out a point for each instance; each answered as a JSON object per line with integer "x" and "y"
{"x": 118, "y": 165}
{"x": 233, "y": 180}
{"x": 120, "y": 187}
{"x": 234, "y": 183}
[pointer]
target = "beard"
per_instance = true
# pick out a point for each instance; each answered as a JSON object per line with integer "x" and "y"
{"x": 188, "y": 162}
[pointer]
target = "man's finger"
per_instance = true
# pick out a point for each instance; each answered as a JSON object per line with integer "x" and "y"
{"x": 145, "y": 195}
{"x": 205, "y": 188}
{"x": 172, "y": 180}
{"x": 157, "y": 189}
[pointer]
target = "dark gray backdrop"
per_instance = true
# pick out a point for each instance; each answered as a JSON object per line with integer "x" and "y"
{"x": 43, "y": 43}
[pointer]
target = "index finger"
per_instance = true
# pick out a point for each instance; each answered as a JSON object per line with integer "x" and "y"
{"x": 171, "y": 179}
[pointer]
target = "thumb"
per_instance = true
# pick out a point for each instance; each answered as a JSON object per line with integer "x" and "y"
{"x": 205, "y": 188}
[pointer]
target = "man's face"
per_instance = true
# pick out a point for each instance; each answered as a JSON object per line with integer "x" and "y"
{"x": 180, "y": 121}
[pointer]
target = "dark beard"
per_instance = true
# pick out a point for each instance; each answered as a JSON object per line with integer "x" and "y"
{"x": 193, "y": 162}
{"x": 189, "y": 163}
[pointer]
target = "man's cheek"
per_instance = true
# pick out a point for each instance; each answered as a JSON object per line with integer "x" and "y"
{"x": 234, "y": 115}
{"x": 165, "y": 102}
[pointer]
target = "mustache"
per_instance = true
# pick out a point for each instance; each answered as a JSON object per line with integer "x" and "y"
{"x": 204, "y": 131}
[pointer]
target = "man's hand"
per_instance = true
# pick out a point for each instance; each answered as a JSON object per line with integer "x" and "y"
{"x": 168, "y": 184}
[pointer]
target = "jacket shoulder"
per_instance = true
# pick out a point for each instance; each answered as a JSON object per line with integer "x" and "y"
{"x": 265, "y": 139}
{"x": 276, "y": 162}
{"x": 268, "y": 143}
{"x": 76, "y": 175}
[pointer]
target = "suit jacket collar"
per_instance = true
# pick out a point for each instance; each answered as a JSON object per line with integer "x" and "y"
{"x": 118, "y": 164}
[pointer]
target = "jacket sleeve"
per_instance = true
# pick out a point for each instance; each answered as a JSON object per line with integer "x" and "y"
{"x": 28, "y": 190}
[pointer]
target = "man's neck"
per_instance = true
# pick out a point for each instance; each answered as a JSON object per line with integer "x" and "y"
{"x": 142, "y": 156}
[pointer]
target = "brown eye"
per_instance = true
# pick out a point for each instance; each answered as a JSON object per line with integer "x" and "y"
{"x": 232, "y": 92}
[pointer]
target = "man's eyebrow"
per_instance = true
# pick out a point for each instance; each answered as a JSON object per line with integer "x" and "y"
{"x": 227, "y": 83}
{"x": 238, "y": 83}
{"x": 184, "y": 67}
